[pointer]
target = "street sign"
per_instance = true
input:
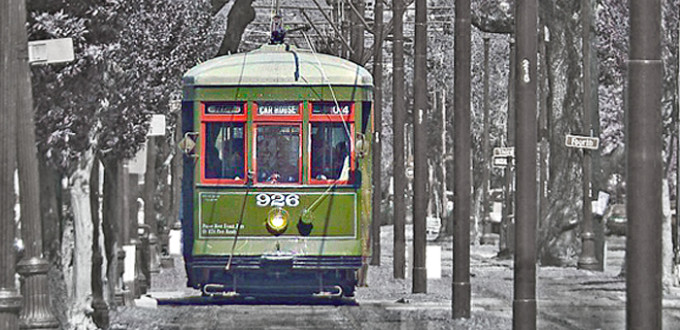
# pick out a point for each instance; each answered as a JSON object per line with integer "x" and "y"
{"x": 50, "y": 51}
{"x": 500, "y": 161}
{"x": 504, "y": 152}
{"x": 157, "y": 126}
{"x": 137, "y": 165}
{"x": 582, "y": 142}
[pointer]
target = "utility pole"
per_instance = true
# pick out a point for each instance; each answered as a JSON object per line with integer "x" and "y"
{"x": 486, "y": 156}
{"x": 398, "y": 119}
{"x": 441, "y": 104}
{"x": 587, "y": 259}
{"x": 357, "y": 31}
{"x": 10, "y": 299}
{"x": 524, "y": 303}
{"x": 151, "y": 265}
{"x": 643, "y": 204}
{"x": 543, "y": 127}
{"x": 677, "y": 174}
{"x": 420, "y": 149}
{"x": 461, "y": 171}
{"x": 506, "y": 243}
{"x": 36, "y": 312}
{"x": 377, "y": 120}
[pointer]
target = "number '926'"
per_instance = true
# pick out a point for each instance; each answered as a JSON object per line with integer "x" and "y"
{"x": 277, "y": 200}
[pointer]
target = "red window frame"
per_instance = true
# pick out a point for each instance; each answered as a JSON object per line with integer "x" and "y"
{"x": 278, "y": 118}
{"x": 254, "y": 137}
{"x": 330, "y": 118}
{"x": 225, "y": 118}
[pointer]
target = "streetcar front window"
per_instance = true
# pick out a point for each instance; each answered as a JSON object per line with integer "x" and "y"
{"x": 278, "y": 153}
{"x": 330, "y": 151}
{"x": 224, "y": 151}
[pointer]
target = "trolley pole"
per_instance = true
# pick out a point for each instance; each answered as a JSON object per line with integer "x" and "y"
{"x": 398, "y": 119}
{"x": 420, "y": 149}
{"x": 10, "y": 299}
{"x": 377, "y": 120}
{"x": 524, "y": 303}
{"x": 643, "y": 205}
{"x": 587, "y": 259}
{"x": 461, "y": 168}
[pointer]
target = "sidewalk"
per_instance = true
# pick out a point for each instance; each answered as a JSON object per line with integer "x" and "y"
{"x": 568, "y": 298}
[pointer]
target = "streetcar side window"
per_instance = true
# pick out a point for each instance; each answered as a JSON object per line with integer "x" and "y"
{"x": 330, "y": 152}
{"x": 278, "y": 153}
{"x": 224, "y": 157}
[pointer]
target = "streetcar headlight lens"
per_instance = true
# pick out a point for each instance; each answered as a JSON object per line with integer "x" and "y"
{"x": 277, "y": 221}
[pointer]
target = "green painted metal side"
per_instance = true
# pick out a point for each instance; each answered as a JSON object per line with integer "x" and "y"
{"x": 331, "y": 214}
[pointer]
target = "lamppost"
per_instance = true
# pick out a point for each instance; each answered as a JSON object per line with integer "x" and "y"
{"x": 10, "y": 300}
{"x": 36, "y": 312}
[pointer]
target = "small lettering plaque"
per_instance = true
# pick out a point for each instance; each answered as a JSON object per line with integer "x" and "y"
{"x": 224, "y": 108}
{"x": 332, "y": 108}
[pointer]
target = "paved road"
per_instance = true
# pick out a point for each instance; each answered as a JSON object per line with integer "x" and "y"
{"x": 568, "y": 298}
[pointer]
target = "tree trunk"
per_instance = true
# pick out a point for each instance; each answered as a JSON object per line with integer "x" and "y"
{"x": 113, "y": 214}
{"x": 79, "y": 277}
{"x": 240, "y": 15}
{"x": 50, "y": 189}
{"x": 100, "y": 306}
{"x": 667, "y": 240}
{"x": 558, "y": 242}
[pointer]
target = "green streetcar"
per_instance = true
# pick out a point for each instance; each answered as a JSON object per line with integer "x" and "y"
{"x": 277, "y": 173}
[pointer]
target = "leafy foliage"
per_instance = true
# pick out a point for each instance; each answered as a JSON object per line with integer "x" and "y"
{"x": 129, "y": 58}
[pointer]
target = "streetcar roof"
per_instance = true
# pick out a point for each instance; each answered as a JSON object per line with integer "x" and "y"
{"x": 277, "y": 65}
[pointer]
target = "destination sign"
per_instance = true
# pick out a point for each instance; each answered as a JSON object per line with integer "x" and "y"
{"x": 332, "y": 108}
{"x": 504, "y": 152}
{"x": 224, "y": 108}
{"x": 582, "y": 142}
{"x": 278, "y": 109}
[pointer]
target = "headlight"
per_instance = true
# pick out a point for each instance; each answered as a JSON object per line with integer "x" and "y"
{"x": 277, "y": 221}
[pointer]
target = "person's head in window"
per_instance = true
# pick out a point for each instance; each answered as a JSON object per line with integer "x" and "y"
{"x": 233, "y": 159}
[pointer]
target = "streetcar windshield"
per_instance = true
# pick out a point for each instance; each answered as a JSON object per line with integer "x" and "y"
{"x": 330, "y": 151}
{"x": 278, "y": 153}
{"x": 224, "y": 151}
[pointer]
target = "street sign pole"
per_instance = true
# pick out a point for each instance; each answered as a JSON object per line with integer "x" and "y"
{"x": 587, "y": 259}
